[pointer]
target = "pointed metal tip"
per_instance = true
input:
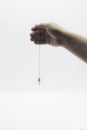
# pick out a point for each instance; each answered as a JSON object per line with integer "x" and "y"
{"x": 39, "y": 80}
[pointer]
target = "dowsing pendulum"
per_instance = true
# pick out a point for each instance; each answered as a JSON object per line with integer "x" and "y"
{"x": 39, "y": 78}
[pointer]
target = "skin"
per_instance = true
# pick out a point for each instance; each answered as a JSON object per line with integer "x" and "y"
{"x": 55, "y": 35}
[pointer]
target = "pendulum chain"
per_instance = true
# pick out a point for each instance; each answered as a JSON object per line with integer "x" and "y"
{"x": 39, "y": 78}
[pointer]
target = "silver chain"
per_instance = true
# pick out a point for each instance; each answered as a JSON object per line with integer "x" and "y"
{"x": 39, "y": 78}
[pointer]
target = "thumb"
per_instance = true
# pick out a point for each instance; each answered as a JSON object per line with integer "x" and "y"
{"x": 53, "y": 32}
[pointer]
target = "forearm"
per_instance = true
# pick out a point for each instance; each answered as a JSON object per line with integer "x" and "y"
{"x": 76, "y": 44}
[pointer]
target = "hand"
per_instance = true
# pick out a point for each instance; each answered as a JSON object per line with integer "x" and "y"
{"x": 48, "y": 33}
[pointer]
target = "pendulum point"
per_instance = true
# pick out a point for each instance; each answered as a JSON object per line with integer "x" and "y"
{"x": 39, "y": 81}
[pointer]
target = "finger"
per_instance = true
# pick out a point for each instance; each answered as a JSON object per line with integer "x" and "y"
{"x": 31, "y": 34}
{"x": 34, "y": 28}
{"x": 36, "y": 41}
{"x": 38, "y": 27}
{"x": 37, "y": 32}
{"x": 39, "y": 42}
{"x": 32, "y": 39}
{"x": 39, "y": 35}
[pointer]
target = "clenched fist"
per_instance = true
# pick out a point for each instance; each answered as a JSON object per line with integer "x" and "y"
{"x": 48, "y": 33}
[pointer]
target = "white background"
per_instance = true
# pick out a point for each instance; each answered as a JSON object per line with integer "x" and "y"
{"x": 61, "y": 100}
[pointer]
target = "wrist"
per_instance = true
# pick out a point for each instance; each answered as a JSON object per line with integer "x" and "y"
{"x": 62, "y": 37}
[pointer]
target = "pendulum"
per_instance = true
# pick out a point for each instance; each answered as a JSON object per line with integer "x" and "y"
{"x": 39, "y": 78}
{"x": 39, "y": 81}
